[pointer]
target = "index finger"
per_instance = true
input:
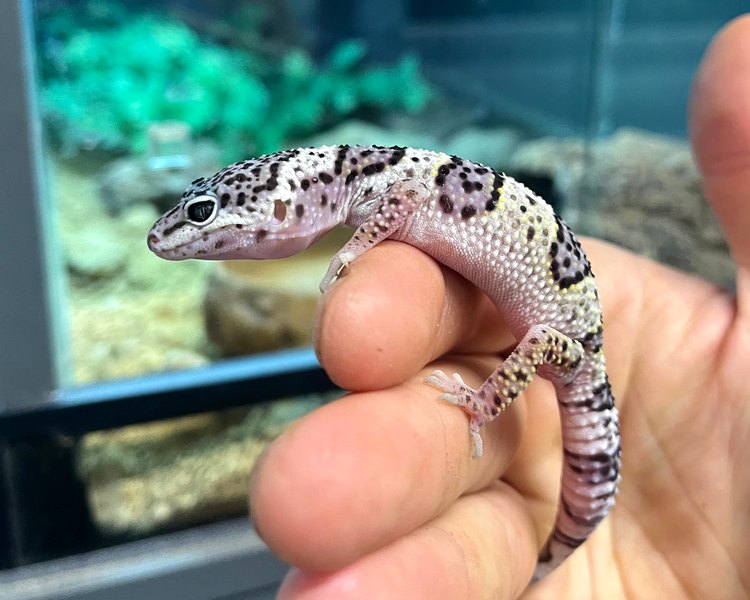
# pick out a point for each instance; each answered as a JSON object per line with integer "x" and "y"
{"x": 399, "y": 310}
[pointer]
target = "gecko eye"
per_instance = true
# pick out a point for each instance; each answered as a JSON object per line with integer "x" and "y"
{"x": 201, "y": 210}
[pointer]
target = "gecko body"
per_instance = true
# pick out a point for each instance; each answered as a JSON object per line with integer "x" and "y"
{"x": 486, "y": 226}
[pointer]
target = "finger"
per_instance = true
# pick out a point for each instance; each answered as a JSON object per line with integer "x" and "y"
{"x": 720, "y": 130}
{"x": 484, "y": 546}
{"x": 394, "y": 311}
{"x": 370, "y": 468}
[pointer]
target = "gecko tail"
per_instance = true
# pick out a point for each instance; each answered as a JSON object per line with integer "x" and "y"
{"x": 591, "y": 465}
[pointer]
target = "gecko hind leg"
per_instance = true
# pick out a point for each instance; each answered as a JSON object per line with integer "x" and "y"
{"x": 542, "y": 345}
{"x": 457, "y": 392}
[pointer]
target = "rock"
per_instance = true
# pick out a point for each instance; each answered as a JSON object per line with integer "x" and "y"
{"x": 95, "y": 250}
{"x": 639, "y": 190}
{"x": 133, "y": 180}
{"x": 355, "y": 132}
{"x": 491, "y": 147}
{"x": 257, "y": 306}
{"x": 144, "y": 478}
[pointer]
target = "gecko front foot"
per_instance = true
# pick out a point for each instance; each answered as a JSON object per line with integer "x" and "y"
{"x": 339, "y": 262}
{"x": 457, "y": 392}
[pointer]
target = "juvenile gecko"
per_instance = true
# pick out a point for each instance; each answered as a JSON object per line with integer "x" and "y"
{"x": 486, "y": 226}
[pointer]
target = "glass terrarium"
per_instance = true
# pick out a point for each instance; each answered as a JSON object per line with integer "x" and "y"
{"x": 584, "y": 102}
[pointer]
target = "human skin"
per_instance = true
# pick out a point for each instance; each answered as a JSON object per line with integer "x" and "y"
{"x": 376, "y": 495}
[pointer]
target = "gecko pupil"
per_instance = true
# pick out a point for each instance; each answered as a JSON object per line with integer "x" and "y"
{"x": 200, "y": 211}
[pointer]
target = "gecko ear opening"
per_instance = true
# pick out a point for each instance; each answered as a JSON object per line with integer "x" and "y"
{"x": 279, "y": 211}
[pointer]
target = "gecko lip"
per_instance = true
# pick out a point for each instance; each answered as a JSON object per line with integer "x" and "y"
{"x": 220, "y": 250}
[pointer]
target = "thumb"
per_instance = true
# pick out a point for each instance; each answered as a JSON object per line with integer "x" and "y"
{"x": 720, "y": 132}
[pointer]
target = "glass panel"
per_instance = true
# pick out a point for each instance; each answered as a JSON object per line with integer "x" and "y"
{"x": 140, "y": 98}
{"x": 638, "y": 167}
{"x": 135, "y": 481}
{"x": 583, "y": 102}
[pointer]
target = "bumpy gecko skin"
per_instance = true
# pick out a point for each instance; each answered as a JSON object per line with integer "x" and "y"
{"x": 484, "y": 225}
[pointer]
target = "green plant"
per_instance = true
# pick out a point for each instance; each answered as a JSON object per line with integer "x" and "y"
{"x": 104, "y": 83}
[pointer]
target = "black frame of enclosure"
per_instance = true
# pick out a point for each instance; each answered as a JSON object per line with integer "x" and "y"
{"x": 221, "y": 560}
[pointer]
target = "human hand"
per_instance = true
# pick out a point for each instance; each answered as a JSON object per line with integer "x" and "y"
{"x": 377, "y": 496}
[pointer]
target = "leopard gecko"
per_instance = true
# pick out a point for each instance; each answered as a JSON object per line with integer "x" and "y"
{"x": 489, "y": 228}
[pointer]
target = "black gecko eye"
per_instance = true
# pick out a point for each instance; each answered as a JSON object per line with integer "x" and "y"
{"x": 201, "y": 210}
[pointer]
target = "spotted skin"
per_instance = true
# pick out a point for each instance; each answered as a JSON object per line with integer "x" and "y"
{"x": 486, "y": 226}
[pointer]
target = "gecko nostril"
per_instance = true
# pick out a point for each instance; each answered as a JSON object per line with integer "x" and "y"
{"x": 153, "y": 239}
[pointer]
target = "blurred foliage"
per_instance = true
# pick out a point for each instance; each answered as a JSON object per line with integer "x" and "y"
{"x": 108, "y": 72}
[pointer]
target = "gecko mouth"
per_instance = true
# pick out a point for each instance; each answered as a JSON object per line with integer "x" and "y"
{"x": 219, "y": 247}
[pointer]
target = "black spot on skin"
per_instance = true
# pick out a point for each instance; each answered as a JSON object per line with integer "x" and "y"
{"x": 292, "y": 185}
{"x": 255, "y": 171}
{"x": 225, "y": 197}
{"x": 530, "y": 233}
{"x": 467, "y": 212}
{"x": 523, "y": 208}
{"x": 566, "y": 261}
{"x": 261, "y": 235}
{"x": 241, "y": 198}
{"x": 326, "y": 178}
{"x": 478, "y": 185}
{"x": 463, "y": 175}
{"x": 468, "y": 186}
{"x": 350, "y": 177}
{"x": 553, "y": 249}
{"x": 492, "y": 202}
{"x": 398, "y": 154}
{"x": 175, "y": 227}
{"x": 440, "y": 180}
{"x": 444, "y": 170}
{"x": 340, "y": 158}
{"x": 258, "y": 188}
{"x": 305, "y": 183}
{"x": 299, "y": 210}
{"x": 415, "y": 159}
{"x": 566, "y": 282}
{"x": 323, "y": 199}
{"x": 218, "y": 244}
{"x": 445, "y": 203}
{"x": 271, "y": 184}
{"x": 481, "y": 171}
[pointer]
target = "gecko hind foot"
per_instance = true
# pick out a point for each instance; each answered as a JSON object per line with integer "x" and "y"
{"x": 457, "y": 392}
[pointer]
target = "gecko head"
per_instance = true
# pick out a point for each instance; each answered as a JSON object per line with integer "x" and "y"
{"x": 250, "y": 210}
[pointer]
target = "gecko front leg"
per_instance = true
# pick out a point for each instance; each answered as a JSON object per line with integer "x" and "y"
{"x": 398, "y": 202}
